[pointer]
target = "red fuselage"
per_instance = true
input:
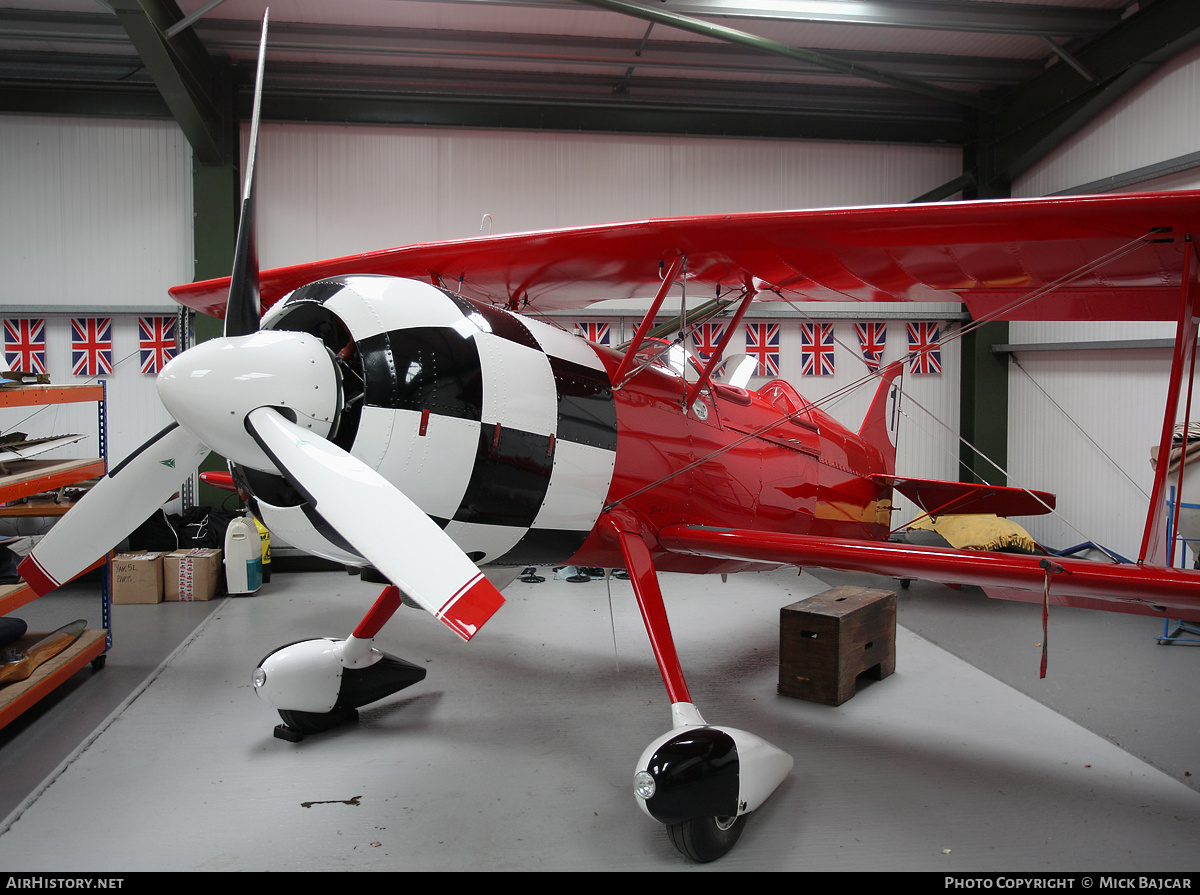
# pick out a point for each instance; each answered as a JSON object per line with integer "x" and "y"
{"x": 759, "y": 460}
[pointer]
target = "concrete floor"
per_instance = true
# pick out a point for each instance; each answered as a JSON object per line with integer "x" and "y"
{"x": 517, "y": 750}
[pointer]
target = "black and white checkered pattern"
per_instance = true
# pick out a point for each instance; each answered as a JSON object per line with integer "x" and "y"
{"x": 501, "y": 428}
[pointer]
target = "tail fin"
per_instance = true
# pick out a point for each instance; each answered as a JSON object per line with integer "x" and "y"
{"x": 879, "y": 425}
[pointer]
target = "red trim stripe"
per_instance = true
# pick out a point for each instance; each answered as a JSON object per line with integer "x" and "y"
{"x": 473, "y": 604}
{"x": 35, "y": 576}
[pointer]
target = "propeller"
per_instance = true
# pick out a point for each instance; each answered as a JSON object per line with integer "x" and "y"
{"x": 119, "y": 503}
{"x": 403, "y": 543}
{"x": 268, "y": 399}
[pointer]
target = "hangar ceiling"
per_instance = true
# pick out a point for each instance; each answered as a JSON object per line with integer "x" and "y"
{"x": 1006, "y": 80}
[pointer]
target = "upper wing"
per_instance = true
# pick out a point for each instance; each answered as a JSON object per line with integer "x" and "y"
{"x": 1120, "y": 587}
{"x": 988, "y": 254}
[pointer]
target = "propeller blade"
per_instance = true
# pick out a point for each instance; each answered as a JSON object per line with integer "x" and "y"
{"x": 119, "y": 503}
{"x": 243, "y": 311}
{"x": 385, "y": 527}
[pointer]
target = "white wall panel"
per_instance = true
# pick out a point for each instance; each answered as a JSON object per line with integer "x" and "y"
{"x": 93, "y": 212}
{"x": 96, "y": 217}
{"x": 327, "y": 191}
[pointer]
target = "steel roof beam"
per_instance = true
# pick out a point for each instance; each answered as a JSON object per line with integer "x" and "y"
{"x": 185, "y": 75}
{"x": 1044, "y": 112}
{"x": 927, "y": 15}
{"x": 547, "y": 49}
{"x": 730, "y": 35}
{"x": 609, "y": 116}
{"x": 944, "y": 15}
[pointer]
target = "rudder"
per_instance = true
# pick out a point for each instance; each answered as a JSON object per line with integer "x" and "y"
{"x": 879, "y": 425}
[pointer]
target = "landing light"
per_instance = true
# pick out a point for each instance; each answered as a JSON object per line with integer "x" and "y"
{"x": 260, "y": 677}
{"x": 643, "y": 785}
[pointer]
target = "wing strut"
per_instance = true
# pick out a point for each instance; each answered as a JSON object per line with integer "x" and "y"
{"x": 696, "y": 386}
{"x": 1154, "y": 543}
{"x": 668, "y": 281}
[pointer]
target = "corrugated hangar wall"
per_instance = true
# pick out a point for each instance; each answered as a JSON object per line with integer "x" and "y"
{"x": 96, "y": 219}
{"x": 1082, "y": 422}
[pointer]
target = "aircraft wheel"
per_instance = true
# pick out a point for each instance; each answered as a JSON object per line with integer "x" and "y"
{"x": 705, "y": 839}
{"x": 315, "y": 722}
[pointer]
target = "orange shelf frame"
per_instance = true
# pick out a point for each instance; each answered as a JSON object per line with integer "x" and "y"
{"x": 29, "y": 477}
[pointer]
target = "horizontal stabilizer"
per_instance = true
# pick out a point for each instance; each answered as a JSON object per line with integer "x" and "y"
{"x": 939, "y": 498}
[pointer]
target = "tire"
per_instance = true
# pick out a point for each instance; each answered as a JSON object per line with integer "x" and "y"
{"x": 705, "y": 839}
{"x": 315, "y": 722}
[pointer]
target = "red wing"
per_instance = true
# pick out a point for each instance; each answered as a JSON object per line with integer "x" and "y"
{"x": 985, "y": 253}
{"x": 1118, "y": 587}
{"x": 939, "y": 498}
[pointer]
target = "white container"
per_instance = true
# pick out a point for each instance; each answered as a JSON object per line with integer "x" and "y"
{"x": 243, "y": 557}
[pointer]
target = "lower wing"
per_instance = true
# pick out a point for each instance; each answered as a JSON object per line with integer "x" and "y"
{"x": 1114, "y": 587}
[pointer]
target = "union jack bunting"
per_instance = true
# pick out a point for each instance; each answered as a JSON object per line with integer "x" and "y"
{"x": 925, "y": 352}
{"x": 762, "y": 344}
{"x": 872, "y": 338}
{"x": 600, "y": 333}
{"x": 91, "y": 345}
{"x": 816, "y": 349}
{"x": 705, "y": 339}
{"x": 156, "y": 337}
{"x": 25, "y": 345}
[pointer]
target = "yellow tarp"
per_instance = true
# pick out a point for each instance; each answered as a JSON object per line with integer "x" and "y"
{"x": 979, "y": 532}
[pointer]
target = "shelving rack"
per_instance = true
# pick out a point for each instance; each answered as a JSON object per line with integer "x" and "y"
{"x": 31, "y": 477}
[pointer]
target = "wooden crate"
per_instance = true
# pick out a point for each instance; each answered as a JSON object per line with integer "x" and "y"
{"x": 827, "y": 641}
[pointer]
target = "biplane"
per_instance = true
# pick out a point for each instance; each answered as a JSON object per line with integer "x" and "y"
{"x": 402, "y": 411}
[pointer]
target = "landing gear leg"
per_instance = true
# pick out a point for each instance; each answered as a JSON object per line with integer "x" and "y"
{"x": 316, "y": 685}
{"x": 699, "y": 780}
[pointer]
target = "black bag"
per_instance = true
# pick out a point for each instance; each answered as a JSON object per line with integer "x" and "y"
{"x": 197, "y": 527}
{"x": 155, "y": 534}
{"x": 203, "y": 527}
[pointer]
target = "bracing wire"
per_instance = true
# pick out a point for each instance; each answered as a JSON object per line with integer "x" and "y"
{"x": 837, "y": 394}
{"x": 1080, "y": 428}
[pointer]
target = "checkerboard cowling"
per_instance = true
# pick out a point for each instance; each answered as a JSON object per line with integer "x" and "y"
{"x": 502, "y": 429}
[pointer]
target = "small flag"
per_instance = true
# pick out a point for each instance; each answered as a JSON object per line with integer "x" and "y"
{"x": 816, "y": 349}
{"x": 872, "y": 338}
{"x": 25, "y": 345}
{"x": 762, "y": 344}
{"x": 91, "y": 345}
{"x": 705, "y": 339}
{"x": 600, "y": 333}
{"x": 156, "y": 337}
{"x": 924, "y": 349}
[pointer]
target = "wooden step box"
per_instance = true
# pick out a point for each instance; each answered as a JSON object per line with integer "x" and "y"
{"x": 827, "y": 641}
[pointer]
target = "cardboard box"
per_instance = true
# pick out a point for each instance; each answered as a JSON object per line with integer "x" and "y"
{"x": 137, "y": 578}
{"x": 196, "y": 574}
